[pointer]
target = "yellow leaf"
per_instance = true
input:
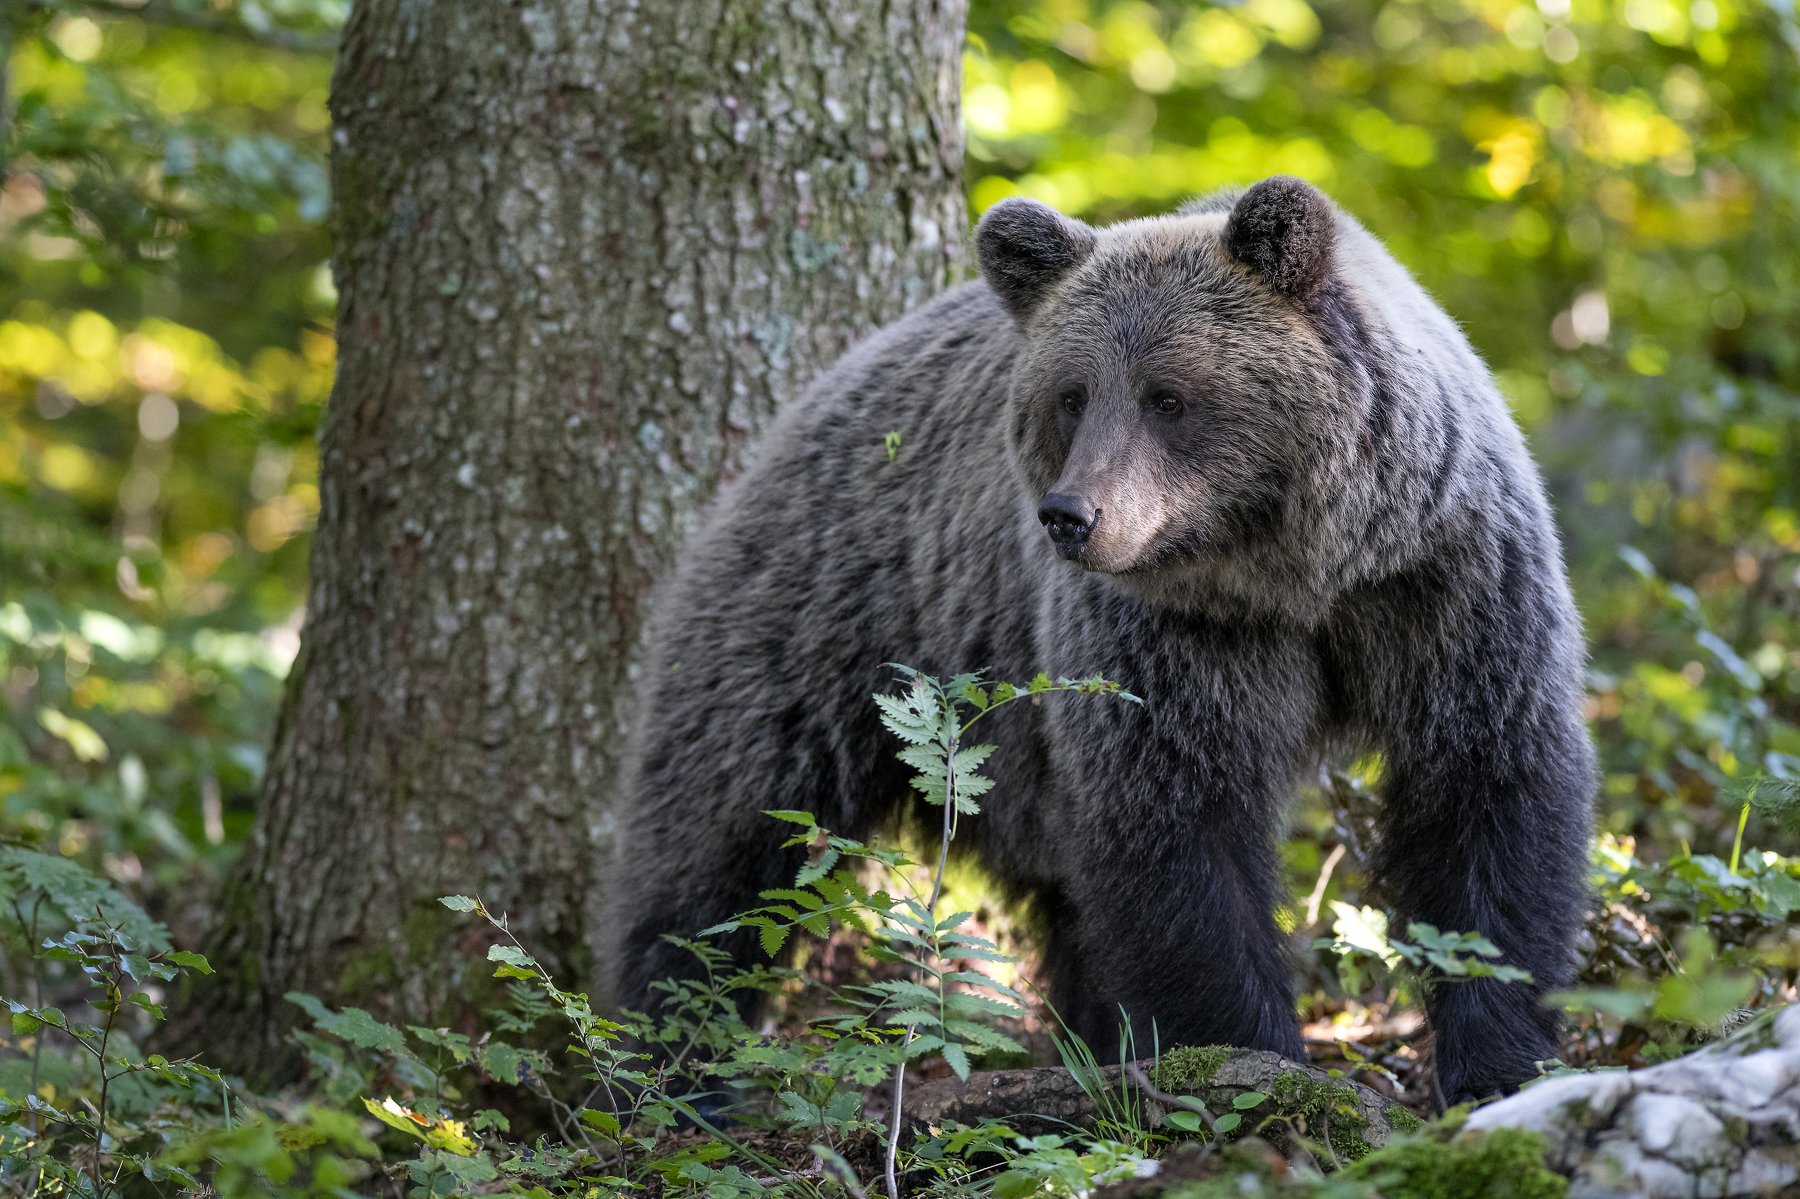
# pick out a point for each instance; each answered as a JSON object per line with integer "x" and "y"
{"x": 452, "y": 1136}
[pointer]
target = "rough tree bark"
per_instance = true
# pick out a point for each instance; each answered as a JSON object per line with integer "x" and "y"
{"x": 583, "y": 251}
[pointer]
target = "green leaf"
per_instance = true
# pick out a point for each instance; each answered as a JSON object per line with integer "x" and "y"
{"x": 898, "y": 721}
{"x": 1621, "y": 1003}
{"x": 1184, "y": 1121}
{"x": 465, "y": 1164}
{"x": 927, "y": 759}
{"x": 965, "y": 1003}
{"x": 805, "y": 899}
{"x": 1016, "y": 1184}
{"x": 190, "y": 961}
{"x": 606, "y": 1122}
{"x": 979, "y": 954}
{"x": 459, "y": 903}
{"x": 353, "y": 1025}
{"x": 1227, "y": 1123}
{"x": 510, "y": 953}
{"x": 76, "y": 894}
{"x": 912, "y": 1016}
{"x": 965, "y": 761}
{"x": 793, "y": 816}
{"x": 1248, "y": 1100}
{"x": 983, "y": 1034}
{"x": 503, "y": 1061}
{"x": 815, "y": 871}
{"x": 905, "y": 990}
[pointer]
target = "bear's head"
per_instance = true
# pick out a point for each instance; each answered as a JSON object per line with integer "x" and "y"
{"x": 1184, "y": 382}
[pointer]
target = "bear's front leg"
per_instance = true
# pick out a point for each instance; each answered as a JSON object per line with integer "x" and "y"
{"x": 1172, "y": 935}
{"x": 1488, "y": 812}
{"x": 1171, "y": 818}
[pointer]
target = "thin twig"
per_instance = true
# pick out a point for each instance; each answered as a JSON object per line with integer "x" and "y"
{"x": 1136, "y": 1073}
{"x": 1188, "y": 1102}
{"x": 1325, "y": 1136}
{"x": 37, "y": 996}
{"x": 937, "y": 891}
{"x": 115, "y": 999}
{"x": 1318, "y": 892}
{"x": 712, "y": 1005}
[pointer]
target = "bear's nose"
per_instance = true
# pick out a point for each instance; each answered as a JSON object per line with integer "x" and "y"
{"x": 1068, "y": 519}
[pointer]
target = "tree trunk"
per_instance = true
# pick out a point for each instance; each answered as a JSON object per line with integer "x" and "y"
{"x": 583, "y": 252}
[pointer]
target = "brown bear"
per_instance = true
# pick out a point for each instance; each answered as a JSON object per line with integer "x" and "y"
{"x": 1234, "y": 459}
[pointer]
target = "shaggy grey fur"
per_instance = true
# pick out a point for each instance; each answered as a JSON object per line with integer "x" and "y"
{"x": 1307, "y": 524}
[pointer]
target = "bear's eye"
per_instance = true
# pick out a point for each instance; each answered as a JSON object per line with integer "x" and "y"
{"x": 1072, "y": 400}
{"x": 1166, "y": 402}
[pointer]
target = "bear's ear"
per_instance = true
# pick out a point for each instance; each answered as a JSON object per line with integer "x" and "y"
{"x": 1024, "y": 247}
{"x": 1286, "y": 231}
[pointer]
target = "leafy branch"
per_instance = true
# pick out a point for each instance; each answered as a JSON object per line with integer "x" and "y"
{"x": 929, "y": 718}
{"x": 115, "y": 962}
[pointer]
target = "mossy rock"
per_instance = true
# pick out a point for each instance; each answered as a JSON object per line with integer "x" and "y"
{"x": 1506, "y": 1163}
{"x": 1404, "y": 1120}
{"x": 1329, "y": 1109}
{"x": 1187, "y": 1068}
{"x": 1352, "y": 1120}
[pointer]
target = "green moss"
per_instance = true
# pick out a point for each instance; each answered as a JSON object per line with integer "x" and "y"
{"x": 1189, "y": 1067}
{"x": 1330, "y": 1109}
{"x": 1402, "y": 1119}
{"x": 1344, "y": 1132}
{"x": 1300, "y": 1094}
{"x": 1506, "y": 1163}
{"x": 1320, "y": 1108}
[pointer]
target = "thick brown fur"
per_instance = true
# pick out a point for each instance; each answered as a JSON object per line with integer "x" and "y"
{"x": 1317, "y": 530}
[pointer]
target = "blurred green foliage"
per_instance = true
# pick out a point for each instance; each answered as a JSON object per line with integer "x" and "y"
{"x": 1604, "y": 194}
{"x": 165, "y": 349}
